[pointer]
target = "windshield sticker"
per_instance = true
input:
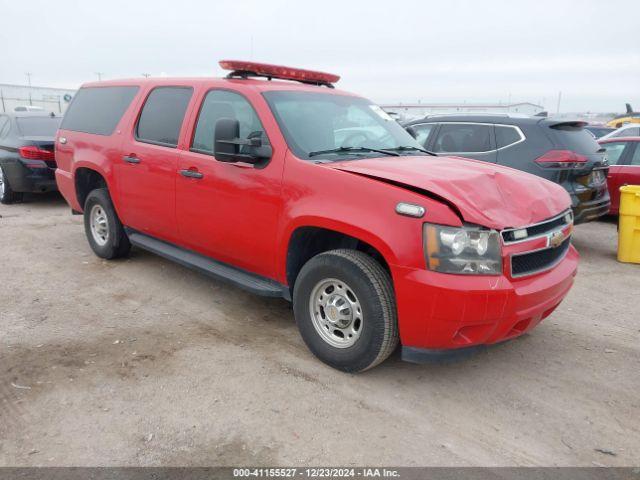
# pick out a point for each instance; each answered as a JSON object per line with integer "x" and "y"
{"x": 381, "y": 113}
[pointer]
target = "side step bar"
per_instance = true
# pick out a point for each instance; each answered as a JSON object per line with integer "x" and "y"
{"x": 218, "y": 270}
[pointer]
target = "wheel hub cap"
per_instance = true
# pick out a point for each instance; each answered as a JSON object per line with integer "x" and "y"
{"x": 99, "y": 225}
{"x": 336, "y": 313}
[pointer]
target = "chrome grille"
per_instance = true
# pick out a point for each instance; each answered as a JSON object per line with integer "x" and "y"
{"x": 536, "y": 261}
{"x": 538, "y": 229}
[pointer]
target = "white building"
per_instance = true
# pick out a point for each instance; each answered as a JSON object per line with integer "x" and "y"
{"x": 50, "y": 99}
{"x": 411, "y": 110}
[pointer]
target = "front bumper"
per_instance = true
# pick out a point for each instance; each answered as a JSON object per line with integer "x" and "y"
{"x": 442, "y": 312}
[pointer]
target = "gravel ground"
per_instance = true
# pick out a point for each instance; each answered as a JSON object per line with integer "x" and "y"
{"x": 143, "y": 362}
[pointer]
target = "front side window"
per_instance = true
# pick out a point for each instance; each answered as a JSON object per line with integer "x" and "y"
{"x": 316, "y": 122}
{"x": 423, "y": 132}
{"x": 506, "y": 136}
{"x": 225, "y": 104}
{"x": 162, "y": 115}
{"x": 614, "y": 151}
{"x": 463, "y": 138}
{"x": 97, "y": 110}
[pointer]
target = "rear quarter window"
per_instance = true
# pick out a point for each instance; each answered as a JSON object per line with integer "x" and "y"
{"x": 98, "y": 110}
{"x": 38, "y": 126}
{"x": 506, "y": 136}
{"x": 5, "y": 126}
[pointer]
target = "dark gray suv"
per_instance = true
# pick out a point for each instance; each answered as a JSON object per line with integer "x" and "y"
{"x": 558, "y": 150}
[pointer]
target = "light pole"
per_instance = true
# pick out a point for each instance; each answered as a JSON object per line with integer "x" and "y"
{"x": 28, "y": 74}
{"x": 99, "y": 75}
{"x": 559, "y": 100}
{"x": 146, "y": 75}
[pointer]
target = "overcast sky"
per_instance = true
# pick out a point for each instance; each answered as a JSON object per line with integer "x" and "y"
{"x": 389, "y": 51}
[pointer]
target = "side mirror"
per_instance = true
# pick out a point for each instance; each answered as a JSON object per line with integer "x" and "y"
{"x": 229, "y": 147}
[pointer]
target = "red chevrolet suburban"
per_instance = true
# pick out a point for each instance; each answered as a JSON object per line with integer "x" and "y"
{"x": 276, "y": 182}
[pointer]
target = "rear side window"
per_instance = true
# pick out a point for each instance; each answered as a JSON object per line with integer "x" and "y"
{"x": 506, "y": 136}
{"x": 38, "y": 126}
{"x": 162, "y": 115}
{"x": 574, "y": 138}
{"x": 463, "y": 138}
{"x": 98, "y": 110}
{"x": 225, "y": 104}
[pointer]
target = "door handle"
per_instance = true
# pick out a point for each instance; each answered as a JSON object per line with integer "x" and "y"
{"x": 131, "y": 159}
{"x": 191, "y": 174}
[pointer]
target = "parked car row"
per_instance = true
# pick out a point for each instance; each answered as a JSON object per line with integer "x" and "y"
{"x": 274, "y": 181}
{"x": 560, "y": 151}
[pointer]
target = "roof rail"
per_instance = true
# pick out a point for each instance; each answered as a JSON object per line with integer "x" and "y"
{"x": 478, "y": 114}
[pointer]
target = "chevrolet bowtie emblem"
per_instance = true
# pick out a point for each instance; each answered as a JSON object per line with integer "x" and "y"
{"x": 555, "y": 239}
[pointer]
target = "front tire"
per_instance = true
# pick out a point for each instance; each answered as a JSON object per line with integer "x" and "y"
{"x": 102, "y": 226}
{"x": 7, "y": 195}
{"x": 345, "y": 309}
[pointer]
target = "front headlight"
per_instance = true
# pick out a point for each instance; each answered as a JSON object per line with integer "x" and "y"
{"x": 462, "y": 250}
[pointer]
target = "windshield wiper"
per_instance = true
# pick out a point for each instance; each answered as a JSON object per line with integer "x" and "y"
{"x": 355, "y": 150}
{"x": 406, "y": 148}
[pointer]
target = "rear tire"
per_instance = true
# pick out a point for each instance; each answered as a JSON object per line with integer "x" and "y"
{"x": 7, "y": 195}
{"x": 102, "y": 226}
{"x": 345, "y": 309}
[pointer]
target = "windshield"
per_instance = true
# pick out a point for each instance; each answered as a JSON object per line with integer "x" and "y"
{"x": 334, "y": 127}
{"x": 38, "y": 126}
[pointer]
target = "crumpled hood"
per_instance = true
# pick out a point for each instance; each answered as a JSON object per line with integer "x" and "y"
{"x": 486, "y": 194}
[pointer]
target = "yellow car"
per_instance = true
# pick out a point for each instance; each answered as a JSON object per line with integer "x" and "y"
{"x": 629, "y": 117}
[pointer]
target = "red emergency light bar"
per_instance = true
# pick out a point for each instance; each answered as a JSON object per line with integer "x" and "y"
{"x": 243, "y": 69}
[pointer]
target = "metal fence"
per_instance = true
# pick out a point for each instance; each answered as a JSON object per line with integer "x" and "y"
{"x": 50, "y": 103}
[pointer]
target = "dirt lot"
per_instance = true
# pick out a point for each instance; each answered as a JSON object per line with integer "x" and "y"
{"x": 143, "y": 362}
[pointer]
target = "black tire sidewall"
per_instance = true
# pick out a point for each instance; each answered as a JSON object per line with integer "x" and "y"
{"x": 110, "y": 249}
{"x": 367, "y": 348}
{"x": 9, "y": 195}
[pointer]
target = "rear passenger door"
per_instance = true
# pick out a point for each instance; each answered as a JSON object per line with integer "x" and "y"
{"x": 146, "y": 171}
{"x": 472, "y": 140}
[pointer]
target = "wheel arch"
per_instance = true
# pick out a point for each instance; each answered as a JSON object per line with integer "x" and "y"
{"x": 308, "y": 239}
{"x": 87, "y": 179}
